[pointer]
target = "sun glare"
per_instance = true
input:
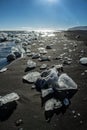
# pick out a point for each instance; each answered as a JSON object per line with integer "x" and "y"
{"x": 52, "y": 1}
{"x": 49, "y": 2}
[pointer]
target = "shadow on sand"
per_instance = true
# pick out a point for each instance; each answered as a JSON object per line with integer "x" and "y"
{"x": 59, "y": 95}
{"x": 6, "y": 110}
{"x": 29, "y": 69}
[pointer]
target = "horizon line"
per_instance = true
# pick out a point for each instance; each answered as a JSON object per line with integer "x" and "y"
{"x": 36, "y": 30}
{"x": 33, "y": 29}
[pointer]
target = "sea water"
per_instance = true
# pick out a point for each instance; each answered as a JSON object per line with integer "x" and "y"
{"x": 5, "y": 49}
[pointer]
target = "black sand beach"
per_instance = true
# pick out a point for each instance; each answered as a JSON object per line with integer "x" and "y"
{"x": 28, "y": 108}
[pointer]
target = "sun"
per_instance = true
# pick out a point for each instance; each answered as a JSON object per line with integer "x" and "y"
{"x": 52, "y": 1}
{"x": 49, "y": 2}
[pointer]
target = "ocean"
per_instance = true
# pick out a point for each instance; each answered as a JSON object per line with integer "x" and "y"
{"x": 5, "y": 49}
{"x": 14, "y": 38}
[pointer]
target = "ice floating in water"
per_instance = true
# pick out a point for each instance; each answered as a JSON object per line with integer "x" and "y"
{"x": 21, "y": 50}
{"x": 3, "y": 36}
{"x": 8, "y": 98}
{"x": 11, "y": 57}
{"x": 83, "y": 60}
{"x": 31, "y": 77}
{"x": 14, "y": 49}
{"x": 18, "y": 51}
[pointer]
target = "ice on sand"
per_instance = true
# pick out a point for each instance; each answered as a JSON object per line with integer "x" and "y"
{"x": 31, "y": 77}
{"x": 83, "y": 60}
{"x": 8, "y": 98}
{"x": 66, "y": 83}
{"x": 3, "y": 70}
{"x": 52, "y": 104}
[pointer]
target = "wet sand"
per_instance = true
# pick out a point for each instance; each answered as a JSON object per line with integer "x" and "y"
{"x": 28, "y": 108}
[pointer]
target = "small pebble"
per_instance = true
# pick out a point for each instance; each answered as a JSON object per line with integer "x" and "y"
{"x": 35, "y": 116}
{"x": 85, "y": 71}
{"x": 33, "y": 87}
{"x": 81, "y": 122}
{"x": 19, "y": 122}
{"x": 74, "y": 49}
{"x": 54, "y": 125}
{"x": 75, "y": 116}
{"x": 57, "y": 119}
{"x": 54, "y": 50}
{"x": 65, "y": 48}
{"x": 43, "y": 66}
{"x": 82, "y": 73}
{"x": 85, "y": 99}
{"x": 20, "y": 129}
{"x": 66, "y": 102}
{"x": 48, "y": 47}
{"x": 70, "y": 50}
{"x": 78, "y": 114}
{"x": 73, "y": 111}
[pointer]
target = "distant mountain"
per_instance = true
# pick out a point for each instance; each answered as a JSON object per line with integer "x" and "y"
{"x": 78, "y": 28}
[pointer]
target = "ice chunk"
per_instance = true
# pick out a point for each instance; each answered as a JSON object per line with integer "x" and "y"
{"x": 31, "y": 64}
{"x": 44, "y": 58}
{"x": 35, "y": 55}
{"x": 14, "y": 49}
{"x": 42, "y": 50}
{"x": 52, "y": 104}
{"x": 31, "y": 77}
{"x": 52, "y": 78}
{"x": 43, "y": 66}
{"x": 66, "y": 83}
{"x": 8, "y": 98}
{"x": 3, "y": 70}
{"x": 49, "y": 78}
{"x": 11, "y": 57}
{"x": 83, "y": 60}
{"x": 45, "y": 92}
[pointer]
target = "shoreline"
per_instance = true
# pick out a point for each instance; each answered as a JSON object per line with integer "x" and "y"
{"x": 29, "y": 106}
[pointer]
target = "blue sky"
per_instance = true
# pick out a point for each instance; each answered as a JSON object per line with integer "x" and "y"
{"x": 37, "y": 14}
